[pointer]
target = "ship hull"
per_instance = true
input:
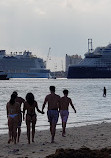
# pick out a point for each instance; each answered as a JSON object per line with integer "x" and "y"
{"x": 88, "y": 72}
{"x": 3, "y": 77}
{"x": 28, "y": 75}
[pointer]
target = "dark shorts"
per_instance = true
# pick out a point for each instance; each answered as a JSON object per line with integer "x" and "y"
{"x": 20, "y": 120}
{"x": 53, "y": 116}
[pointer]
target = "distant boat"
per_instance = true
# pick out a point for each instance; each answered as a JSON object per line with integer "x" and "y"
{"x": 53, "y": 77}
{"x": 3, "y": 76}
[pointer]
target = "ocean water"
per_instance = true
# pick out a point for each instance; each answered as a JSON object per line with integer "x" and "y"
{"x": 86, "y": 95}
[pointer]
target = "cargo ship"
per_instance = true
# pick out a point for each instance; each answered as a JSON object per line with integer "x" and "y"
{"x": 96, "y": 64}
{"x": 23, "y": 65}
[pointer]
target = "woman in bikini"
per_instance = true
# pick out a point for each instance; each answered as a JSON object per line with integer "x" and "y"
{"x": 30, "y": 105}
{"x": 13, "y": 110}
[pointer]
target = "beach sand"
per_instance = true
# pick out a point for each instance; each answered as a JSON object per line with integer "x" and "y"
{"x": 96, "y": 136}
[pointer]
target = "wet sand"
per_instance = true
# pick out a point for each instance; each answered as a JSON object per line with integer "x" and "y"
{"x": 92, "y": 136}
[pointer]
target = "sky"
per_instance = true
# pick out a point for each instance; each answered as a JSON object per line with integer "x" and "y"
{"x": 61, "y": 26}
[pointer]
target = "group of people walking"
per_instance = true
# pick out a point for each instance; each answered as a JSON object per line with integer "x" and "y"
{"x": 56, "y": 105}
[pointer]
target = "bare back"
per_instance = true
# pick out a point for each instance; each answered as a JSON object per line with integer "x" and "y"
{"x": 64, "y": 103}
{"x": 30, "y": 108}
{"x": 13, "y": 109}
{"x": 53, "y": 101}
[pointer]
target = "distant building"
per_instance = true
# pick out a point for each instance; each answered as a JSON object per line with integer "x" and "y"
{"x": 72, "y": 60}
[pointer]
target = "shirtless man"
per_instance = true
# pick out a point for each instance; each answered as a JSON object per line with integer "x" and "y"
{"x": 64, "y": 112}
{"x": 20, "y": 100}
{"x": 53, "y": 114}
{"x": 13, "y": 110}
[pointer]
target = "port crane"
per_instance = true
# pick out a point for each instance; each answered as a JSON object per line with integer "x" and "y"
{"x": 48, "y": 56}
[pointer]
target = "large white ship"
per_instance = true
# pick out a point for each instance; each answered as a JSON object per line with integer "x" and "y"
{"x": 96, "y": 64}
{"x": 23, "y": 65}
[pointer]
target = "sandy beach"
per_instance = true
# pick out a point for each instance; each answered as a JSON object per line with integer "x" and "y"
{"x": 92, "y": 136}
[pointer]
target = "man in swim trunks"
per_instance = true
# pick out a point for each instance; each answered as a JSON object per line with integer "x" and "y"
{"x": 64, "y": 112}
{"x": 53, "y": 114}
{"x": 20, "y": 100}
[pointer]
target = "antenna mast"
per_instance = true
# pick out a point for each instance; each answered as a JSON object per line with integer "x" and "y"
{"x": 90, "y": 46}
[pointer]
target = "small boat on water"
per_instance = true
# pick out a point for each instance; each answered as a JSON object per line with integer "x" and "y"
{"x": 3, "y": 76}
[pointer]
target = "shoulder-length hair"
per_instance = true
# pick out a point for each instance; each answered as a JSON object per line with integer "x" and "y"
{"x": 12, "y": 99}
{"x": 30, "y": 98}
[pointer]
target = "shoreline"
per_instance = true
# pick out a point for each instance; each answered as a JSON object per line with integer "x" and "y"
{"x": 96, "y": 136}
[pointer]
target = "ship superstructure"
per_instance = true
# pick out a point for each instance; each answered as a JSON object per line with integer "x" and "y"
{"x": 96, "y": 64}
{"x": 23, "y": 65}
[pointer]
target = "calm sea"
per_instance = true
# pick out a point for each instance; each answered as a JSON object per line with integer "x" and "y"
{"x": 86, "y": 94}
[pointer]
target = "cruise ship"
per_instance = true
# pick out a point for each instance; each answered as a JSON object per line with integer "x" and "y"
{"x": 96, "y": 64}
{"x": 23, "y": 65}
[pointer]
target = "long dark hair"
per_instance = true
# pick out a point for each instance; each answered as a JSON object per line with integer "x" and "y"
{"x": 12, "y": 99}
{"x": 30, "y": 98}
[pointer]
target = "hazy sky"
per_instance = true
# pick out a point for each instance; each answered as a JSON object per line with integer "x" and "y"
{"x": 62, "y": 25}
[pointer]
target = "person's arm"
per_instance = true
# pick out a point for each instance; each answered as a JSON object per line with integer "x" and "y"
{"x": 24, "y": 108}
{"x": 18, "y": 107}
{"x": 7, "y": 110}
{"x": 23, "y": 101}
{"x": 38, "y": 109}
{"x": 59, "y": 106}
{"x": 72, "y": 105}
{"x": 45, "y": 101}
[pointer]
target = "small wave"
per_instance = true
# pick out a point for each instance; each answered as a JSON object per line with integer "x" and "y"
{"x": 69, "y": 123}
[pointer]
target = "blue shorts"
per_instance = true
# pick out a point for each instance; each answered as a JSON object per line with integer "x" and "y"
{"x": 53, "y": 116}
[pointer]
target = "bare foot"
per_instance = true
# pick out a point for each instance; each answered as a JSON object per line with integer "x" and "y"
{"x": 14, "y": 141}
{"x": 32, "y": 140}
{"x": 52, "y": 141}
{"x": 9, "y": 141}
{"x": 63, "y": 135}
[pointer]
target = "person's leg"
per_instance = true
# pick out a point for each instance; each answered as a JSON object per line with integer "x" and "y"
{"x": 15, "y": 132}
{"x": 28, "y": 131}
{"x": 53, "y": 130}
{"x": 10, "y": 127}
{"x": 18, "y": 133}
{"x": 63, "y": 128}
{"x": 19, "y": 127}
{"x": 55, "y": 117}
{"x": 34, "y": 119}
{"x": 33, "y": 131}
{"x": 64, "y": 121}
{"x": 49, "y": 115}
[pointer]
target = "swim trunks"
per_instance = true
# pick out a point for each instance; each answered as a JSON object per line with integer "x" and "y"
{"x": 64, "y": 115}
{"x": 53, "y": 116}
{"x": 12, "y": 115}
